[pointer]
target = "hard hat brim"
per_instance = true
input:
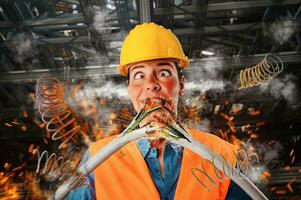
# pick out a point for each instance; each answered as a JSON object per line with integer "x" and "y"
{"x": 123, "y": 69}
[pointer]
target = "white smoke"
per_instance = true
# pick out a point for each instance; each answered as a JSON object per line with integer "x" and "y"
{"x": 282, "y": 30}
{"x": 96, "y": 59}
{"x": 86, "y": 100}
{"x": 99, "y": 20}
{"x": 207, "y": 76}
{"x": 254, "y": 173}
{"x": 204, "y": 85}
{"x": 284, "y": 87}
{"x": 211, "y": 69}
{"x": 108, "y": 90}
{"x": 204, "y": 125}
{"x": 23, "y": 46}
{"x": 268, "y": 154}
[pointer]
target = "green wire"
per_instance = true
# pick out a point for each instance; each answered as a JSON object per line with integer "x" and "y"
{"x": 175, "y": 132}
{"x": 136, "y": 123}
{"x": 168, "y": 133}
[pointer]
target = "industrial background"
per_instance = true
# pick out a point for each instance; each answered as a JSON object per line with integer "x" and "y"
{"x": 78, "y": 42}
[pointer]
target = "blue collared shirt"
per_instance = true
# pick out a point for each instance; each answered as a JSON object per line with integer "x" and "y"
{"x": 166, "y": 185}
{"x": 172, "y": 164}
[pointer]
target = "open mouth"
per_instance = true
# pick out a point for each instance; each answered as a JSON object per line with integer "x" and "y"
{"x": 161, "y": 117}
{"x": 150, "y": 103}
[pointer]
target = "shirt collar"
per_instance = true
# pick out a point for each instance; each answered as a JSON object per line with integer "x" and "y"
{"x": 144, "y": 147}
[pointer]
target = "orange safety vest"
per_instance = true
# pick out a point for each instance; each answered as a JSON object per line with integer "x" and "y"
{"x": 125, "y": 174}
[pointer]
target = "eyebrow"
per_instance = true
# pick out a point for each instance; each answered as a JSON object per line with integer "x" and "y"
{"x": 137, "y": 67}
{"x": 159, "y": 64}
{"x": 164, "y": 63}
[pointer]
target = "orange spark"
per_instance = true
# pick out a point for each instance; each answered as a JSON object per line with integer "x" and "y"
{"x": 287, "y": 168}
{"x": 292, "y": 151}
{"x": 15, "y": 123}
{"x": 7, "y": 124}
{"x": 40, "y": 124}
{"x": 7, "y": 165}
{"x": 227, "y": 117}
{"x": 265, "y": 176}
{"x": 289, "y": 187}
{"x": 280, "y": 192}
{"x": 293, "y": 159}
{"x": 260, "y": 123}
{"x": 291, "y": 181}
{"x": 253, "y": 112}
{"x": 24, "y": 114}
{"x": 229, "y": 121}
{"x": 31, "y": 148}
{"x": 23, "y": 128}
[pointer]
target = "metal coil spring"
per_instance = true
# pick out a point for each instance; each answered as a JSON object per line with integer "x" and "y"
{"x": 264, "y": 71}
{"x": 55, "y": 166}
{"x": 60, "y": 120}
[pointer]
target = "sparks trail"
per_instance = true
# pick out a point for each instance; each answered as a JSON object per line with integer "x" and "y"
{"x": 264, "y": 71}
{"x": 60, "y": 120}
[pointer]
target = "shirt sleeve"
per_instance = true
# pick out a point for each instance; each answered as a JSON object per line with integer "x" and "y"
{"x": 236, "y": 193}
{"x": 87, "y": 190}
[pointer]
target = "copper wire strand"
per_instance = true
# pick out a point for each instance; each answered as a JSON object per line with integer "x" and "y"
{"x": 267, "y": 69}
{"x": 58, "y": 117}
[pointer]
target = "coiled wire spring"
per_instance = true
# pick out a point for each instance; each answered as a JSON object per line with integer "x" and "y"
{"x": 61, "y": 122}
{"x": 264, "y": 71}
{"x": 54, "y": 165}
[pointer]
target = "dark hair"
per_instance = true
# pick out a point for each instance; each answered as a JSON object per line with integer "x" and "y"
{"x": 179, "y": 72}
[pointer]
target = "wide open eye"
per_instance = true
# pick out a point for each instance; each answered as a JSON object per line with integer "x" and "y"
{"x": 138, "y": 75}
{"x": 164, "y": 73}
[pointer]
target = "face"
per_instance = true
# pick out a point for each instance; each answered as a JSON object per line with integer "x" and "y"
{"x": 154, "y": 79}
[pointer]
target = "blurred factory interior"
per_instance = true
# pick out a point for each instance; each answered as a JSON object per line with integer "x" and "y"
{"x": 78, "y": 42}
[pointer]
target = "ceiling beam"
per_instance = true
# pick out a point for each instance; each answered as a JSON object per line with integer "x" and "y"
{"x": 62, "y": 19}
{"x": 94, "y": 72}
{"x": 79, "y": 18}
{"x": 207, "y": 30}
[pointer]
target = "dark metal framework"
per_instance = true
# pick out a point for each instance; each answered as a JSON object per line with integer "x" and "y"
{"x": 82, "y": 38}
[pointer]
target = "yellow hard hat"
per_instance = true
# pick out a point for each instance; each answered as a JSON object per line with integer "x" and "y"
{"x": 150, "y": 41}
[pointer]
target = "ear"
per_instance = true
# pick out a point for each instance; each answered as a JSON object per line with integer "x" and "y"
{"x": 182, "y": 86}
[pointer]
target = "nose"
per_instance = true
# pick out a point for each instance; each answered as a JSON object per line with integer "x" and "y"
{"x": 152, "y": 84}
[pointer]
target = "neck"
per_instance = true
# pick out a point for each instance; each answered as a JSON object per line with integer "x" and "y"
{"x": 160, "y": 145}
